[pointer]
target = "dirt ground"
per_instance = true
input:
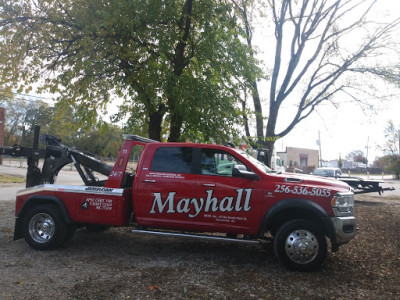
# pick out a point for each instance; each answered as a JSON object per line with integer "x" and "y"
{"x": 119, "y": 265}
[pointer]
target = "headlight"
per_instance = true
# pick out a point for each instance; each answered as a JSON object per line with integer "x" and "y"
{"x": 342, "y": 204}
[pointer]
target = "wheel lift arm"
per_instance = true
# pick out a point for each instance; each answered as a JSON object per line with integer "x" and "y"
{"x": 56, "y": 156}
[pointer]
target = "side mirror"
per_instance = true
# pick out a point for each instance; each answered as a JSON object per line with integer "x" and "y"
{"x": 241, "y": 171}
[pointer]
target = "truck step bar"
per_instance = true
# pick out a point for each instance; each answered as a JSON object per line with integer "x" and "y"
{"x": 196, "y": 236}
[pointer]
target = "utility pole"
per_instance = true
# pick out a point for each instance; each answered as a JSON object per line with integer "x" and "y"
{"x": 320, "y": 152}
{"x": 2, "y": 124}
{"x": 367, "y": 151}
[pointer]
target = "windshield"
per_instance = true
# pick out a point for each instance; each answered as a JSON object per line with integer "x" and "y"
{"x": 258, "y": 164}
{"x": 324, "y": 172}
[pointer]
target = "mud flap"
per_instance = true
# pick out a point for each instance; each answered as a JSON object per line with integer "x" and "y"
{"x": 18, "y": 234}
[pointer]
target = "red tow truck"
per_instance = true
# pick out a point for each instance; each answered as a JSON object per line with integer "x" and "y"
{"x": 183, "y": 189}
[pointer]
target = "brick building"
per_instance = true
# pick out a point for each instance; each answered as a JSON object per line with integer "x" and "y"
{"x": 300, "y": 158}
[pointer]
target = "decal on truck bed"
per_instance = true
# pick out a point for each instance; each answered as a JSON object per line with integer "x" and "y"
{"x": 100, "y": 203}
{"x": 194, "y": 206}
{"x": 71, "y": 189}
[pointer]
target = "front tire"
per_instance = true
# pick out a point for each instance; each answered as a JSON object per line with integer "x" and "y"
{"x": 44, "y": 227}
{"x": 300, "y": 245}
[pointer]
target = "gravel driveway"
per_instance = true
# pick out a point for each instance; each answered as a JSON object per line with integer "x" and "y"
{"x": 119, "y": 265}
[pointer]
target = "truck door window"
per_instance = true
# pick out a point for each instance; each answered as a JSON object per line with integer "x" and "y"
{"x": 217, "y": 162}
{"x": 134, "y": 158}
{"x": 131, "y": 166}
{"x": 172, "y": 160}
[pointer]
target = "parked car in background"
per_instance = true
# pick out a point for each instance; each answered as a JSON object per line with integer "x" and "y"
{"x": 327, "y": 172}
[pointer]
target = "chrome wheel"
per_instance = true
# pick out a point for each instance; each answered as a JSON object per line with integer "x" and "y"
{"x": 301, "y": 246}
{"x": 42, "y": 227}
{"x": 45, "y": 227}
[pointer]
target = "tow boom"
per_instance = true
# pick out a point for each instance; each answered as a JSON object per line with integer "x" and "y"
{"x": 56, "y": 155}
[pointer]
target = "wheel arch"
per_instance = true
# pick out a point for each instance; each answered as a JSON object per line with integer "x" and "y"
{"x": 290, "y": 209}
{"x": 34, "y": 201}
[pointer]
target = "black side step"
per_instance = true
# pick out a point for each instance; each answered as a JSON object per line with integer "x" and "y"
{"x": 196, "y": 236}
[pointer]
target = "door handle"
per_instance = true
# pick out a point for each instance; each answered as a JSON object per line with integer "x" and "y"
{"x": 209, "y": 184}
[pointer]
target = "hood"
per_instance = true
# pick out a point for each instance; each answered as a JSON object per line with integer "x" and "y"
{"x": 314, "y": 180}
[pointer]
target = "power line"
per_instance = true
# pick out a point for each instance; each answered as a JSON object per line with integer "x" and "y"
{"x": 33, "y": 96}
{"x": 27, "y": 98}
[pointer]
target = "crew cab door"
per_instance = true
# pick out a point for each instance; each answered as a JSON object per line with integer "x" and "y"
{"x": 166, "y": 177}
{"x": 231, "y": 202}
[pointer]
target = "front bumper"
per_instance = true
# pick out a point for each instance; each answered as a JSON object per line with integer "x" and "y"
{"x": 345, "y": 228}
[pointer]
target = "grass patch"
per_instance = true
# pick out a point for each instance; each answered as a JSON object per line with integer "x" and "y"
{"x": 11, "y": 179}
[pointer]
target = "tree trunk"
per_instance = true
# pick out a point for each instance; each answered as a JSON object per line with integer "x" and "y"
{"x": 175, "y": 129}
{"x": 244, "y": 116}
{"x": 179, "y": 63}
{"x": 270, "y": 144}
{"x": 155, "y": 122}
{"x": 255, "y": 94}
{"x": 270, "y": 136}
{"x": 258, "y": 110}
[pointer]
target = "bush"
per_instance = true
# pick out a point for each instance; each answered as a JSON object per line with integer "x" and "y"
{"x": 391, "y": 163}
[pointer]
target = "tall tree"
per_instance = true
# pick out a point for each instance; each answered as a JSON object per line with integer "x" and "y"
{"x": 22, "y": 115}
{"x": 244, "y": 7}
{"x": 319, "y": 46}
{"x": 105, "y": 141}
{"x": 392, "y": 139}
{"x": 171, "y": 61}
{"x": 357, "y": 156}
{"x": 391, "y": 149}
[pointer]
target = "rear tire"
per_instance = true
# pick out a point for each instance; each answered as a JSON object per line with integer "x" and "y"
{"x": 300, "y": 245}
{"x": 44, "y": 227}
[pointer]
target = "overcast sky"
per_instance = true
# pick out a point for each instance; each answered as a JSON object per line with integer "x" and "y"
{"x": 344, "y": 130}
{"x": 348, "y": 127}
